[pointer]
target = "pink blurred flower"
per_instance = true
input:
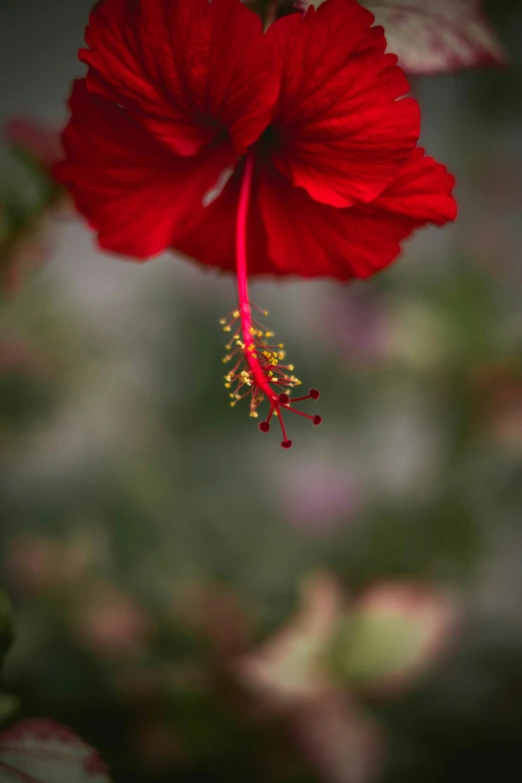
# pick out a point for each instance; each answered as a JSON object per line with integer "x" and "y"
{"x": 23, "y": 253}
{"x": 158, "y": 744}
{"x": 25, "y": 244}
{"x": 215, "y": 613}
{"x": 30, "y": 564}
{"x": 36, "y": 139}
{"x": 358, "y": 322}
{"x": 499, "y": 389}
{"x": 492, "y": 229}
{"x": 339, "y": 740}
{"x": 18, "y": 355}
{"x": 35, "y": 563}
{"x": 110, "y": 622}
{"x": 319, "y": 498}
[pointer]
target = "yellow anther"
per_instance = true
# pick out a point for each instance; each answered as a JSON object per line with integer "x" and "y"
{"x": 250, "y": 349}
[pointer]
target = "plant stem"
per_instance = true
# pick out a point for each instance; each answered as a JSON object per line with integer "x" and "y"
{"x": 271, "y": 13}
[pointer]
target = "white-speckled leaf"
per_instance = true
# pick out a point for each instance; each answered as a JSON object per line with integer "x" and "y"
{"x": 40, "y": 751}
{"x": 435, "y": 36}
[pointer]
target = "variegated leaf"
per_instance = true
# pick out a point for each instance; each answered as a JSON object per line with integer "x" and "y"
{"x": 435, "y": 36}
{"x": 40, "y": 751}
{"x": 289, "y": 668}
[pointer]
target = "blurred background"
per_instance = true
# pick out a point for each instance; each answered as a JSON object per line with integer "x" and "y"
{"x": 199, "y": 604}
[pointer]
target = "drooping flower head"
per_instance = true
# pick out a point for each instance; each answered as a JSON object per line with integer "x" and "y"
{"x": 290, "y": 151}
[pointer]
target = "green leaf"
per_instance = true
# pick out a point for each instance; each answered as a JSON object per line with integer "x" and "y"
{"x": 394, "y": 632}
{"x": 6, "y": 626}
{"x": 9, "y": 706}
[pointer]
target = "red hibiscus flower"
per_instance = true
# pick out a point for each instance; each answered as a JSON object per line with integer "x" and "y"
{"x": 285, "y": 152}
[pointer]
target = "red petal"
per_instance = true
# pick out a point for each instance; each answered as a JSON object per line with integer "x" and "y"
{"x": 211, "y": 237}
{"x": 315, "y": 240}
{"x": 299, "y": 236}
{"x": 340, "y": 131}
{"x": 135, "y": 193}
{"x": 422, "y": 192}
{"x": 186, "y": 71}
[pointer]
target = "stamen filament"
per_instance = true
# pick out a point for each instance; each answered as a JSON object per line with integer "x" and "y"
{"x": 242, "y": 279}
{"x": 258, "y": 372}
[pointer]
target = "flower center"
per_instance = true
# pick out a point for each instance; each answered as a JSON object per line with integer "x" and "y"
{"x": 258, "y": 371}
